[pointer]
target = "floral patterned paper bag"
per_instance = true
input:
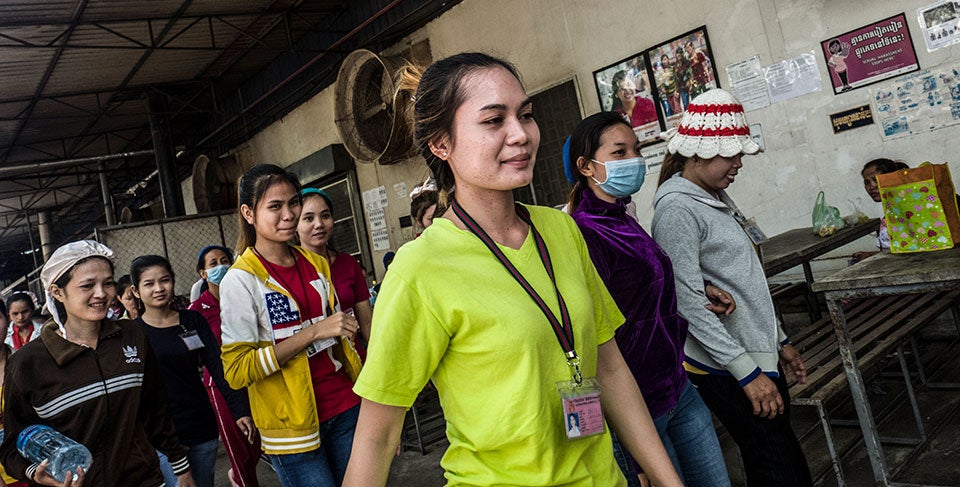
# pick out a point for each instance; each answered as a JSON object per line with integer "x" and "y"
{"x": 920, "y": 208}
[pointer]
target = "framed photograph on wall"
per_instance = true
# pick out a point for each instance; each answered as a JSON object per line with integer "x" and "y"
{"x": 872, "y": 53}
{"x": 682, "y": 68}
{"x": 624, "y": 87}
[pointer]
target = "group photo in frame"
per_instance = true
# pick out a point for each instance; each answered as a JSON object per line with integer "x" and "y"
{"x": 624, "y": 87}
{"x": 683, "y": 68}
{"x": 651, "y": 88}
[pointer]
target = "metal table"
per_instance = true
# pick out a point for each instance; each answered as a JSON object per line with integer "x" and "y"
{"x": 801, "y": 245}
{"x": 881, "y": 275}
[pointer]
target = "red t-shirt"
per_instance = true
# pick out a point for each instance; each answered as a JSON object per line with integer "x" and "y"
{"x": 349, "y": 281}
{"x": 209, "y": 307}
{"x": 333, "y": 388}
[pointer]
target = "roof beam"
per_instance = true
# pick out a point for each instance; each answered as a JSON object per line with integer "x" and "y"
{"x": 77, "y": 12}
{"x": 136, "y": 68}
{"x": 126, "y": 20}
{"x": 114, "y": 132}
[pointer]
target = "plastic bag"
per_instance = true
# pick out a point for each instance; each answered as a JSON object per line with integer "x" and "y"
{"x": 826, "y": 219}
{"x": 857, "y": 215}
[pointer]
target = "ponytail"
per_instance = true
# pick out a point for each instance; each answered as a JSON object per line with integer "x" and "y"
{"x": 672, "y": 164}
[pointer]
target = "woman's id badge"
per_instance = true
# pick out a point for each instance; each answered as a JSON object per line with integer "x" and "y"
{"x": 582, "y": 415}
{"x": 191, "y": 340}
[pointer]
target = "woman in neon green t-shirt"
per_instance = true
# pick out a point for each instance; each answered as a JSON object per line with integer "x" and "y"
{"x": 494, "y": 303}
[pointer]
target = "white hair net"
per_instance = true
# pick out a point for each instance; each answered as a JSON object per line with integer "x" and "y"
{"x": 62, "y": 260}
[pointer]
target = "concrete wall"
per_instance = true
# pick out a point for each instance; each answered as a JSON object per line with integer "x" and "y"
{"x": 552, "y": 40}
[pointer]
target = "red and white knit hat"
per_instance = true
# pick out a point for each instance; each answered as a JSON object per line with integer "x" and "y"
{"x": 712, "y": 125}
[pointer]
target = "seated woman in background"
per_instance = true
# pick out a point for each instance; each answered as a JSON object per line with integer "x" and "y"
{"x": 869, "y": 172}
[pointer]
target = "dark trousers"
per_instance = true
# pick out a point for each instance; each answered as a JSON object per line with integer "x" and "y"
{"x": 771, "y": 453}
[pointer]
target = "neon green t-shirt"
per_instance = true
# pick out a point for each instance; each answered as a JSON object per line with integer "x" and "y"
{"x": 448, "y": 311}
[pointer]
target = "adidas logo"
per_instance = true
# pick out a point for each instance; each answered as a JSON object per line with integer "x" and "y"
{"x": 130, "y": 351}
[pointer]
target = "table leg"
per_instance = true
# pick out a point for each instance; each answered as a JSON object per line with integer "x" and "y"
{"x": 859, "y": 392}
{"x": 811, "y": 297}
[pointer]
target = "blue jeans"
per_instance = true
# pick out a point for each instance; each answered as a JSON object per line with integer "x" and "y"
{"x": 325, "y": 466}
{"x": 625, "y": 461}
{"x": 202, "y": 459}
{"x": 688, "y": 435}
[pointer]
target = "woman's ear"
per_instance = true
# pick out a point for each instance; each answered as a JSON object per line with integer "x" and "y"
{"x": 57, "y": 293}
{"x": 440, "y": 147}
{"x": 247, "y": 214}
{"x": 584, "y": 167}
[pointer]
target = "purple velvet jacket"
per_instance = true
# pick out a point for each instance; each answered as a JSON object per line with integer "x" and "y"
{"x": 639, "y": 276}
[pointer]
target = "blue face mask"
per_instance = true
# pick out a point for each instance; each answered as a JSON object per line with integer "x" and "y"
{"x": 215, "y": 274}
{"x": 624, "y": 177}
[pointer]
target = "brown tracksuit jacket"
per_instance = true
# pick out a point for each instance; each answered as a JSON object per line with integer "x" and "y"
{"x": 111, "y": 399}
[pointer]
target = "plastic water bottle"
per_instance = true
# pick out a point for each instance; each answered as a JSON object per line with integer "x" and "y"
{"x": 39, "y": 442}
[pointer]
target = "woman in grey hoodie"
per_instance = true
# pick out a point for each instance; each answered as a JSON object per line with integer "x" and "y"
{"x": 734, "y": 361}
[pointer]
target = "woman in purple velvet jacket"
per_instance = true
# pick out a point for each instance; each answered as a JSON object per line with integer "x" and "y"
{"x": 605, "y": 165}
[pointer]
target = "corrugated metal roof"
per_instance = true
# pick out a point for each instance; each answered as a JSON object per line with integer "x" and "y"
{"x": 36, "y": 12}
{"x": 90, "y": 69}
{"x": 20, "y": 72}
{"x": 74, "y": 74}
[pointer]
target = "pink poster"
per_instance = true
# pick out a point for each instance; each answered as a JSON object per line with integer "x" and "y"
{"x": 870, "y": 54}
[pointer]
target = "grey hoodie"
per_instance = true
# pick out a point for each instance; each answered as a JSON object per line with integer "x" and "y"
{"x": 706, "y": 243}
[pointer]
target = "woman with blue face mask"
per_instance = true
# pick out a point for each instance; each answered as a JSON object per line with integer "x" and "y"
{"x": 239, "y": 436}
{"x": 603, "y": 161}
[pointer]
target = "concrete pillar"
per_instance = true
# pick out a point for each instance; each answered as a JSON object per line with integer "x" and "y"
{"x": 171, "y": 194}
{"x": 105, "y": 194}
{"x": 47, "y": 245}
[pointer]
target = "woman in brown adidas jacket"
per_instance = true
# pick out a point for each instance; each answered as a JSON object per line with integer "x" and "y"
{"x": 92, "y": 379}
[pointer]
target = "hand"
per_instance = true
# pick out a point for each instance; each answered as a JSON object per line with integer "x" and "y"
{"x": 721, "y": 302}
{"x": 766, "y": 399}
{"x": 41, "y": 477}
{"x": 336, "y": 325}
{"x": 185, "y": 480}
{"x": 247, "y": 428}
{"x": 644, "y": 481}
{"x": 791, "y": 361}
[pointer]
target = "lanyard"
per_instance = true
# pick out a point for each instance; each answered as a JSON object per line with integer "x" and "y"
{"x": 562, "y": 328}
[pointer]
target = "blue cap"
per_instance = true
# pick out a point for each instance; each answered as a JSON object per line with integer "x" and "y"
{"x": 567, "y": 163}
{"x": 208, "y": 248}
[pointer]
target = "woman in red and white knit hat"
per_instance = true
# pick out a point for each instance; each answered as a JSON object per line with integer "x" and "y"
{"x": 737, "y": 362}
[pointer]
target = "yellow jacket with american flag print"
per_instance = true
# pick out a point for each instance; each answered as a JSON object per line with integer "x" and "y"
{"x": 281, "y": 398}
